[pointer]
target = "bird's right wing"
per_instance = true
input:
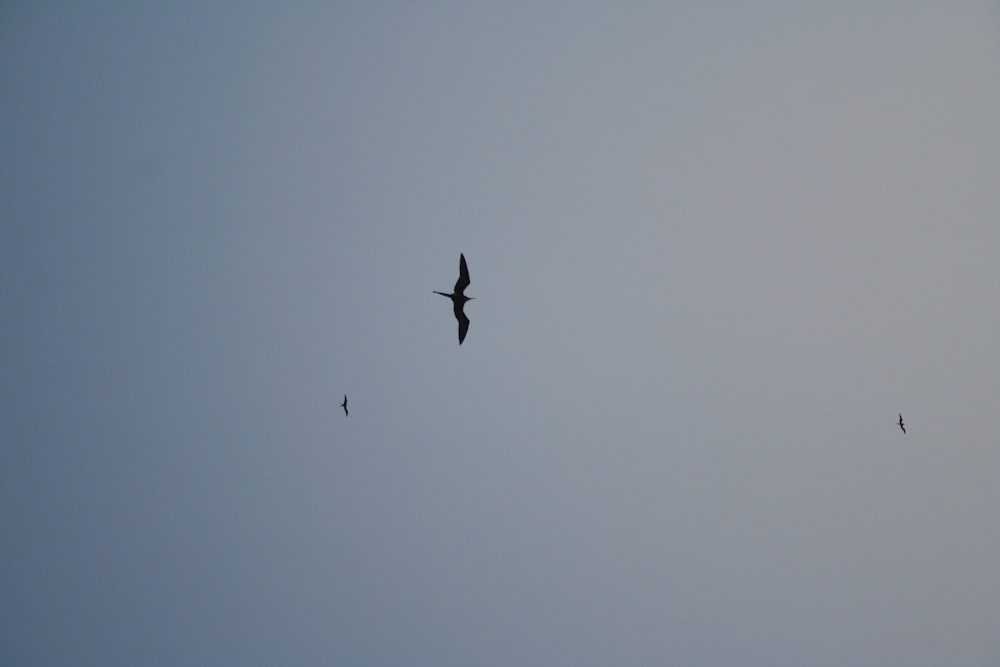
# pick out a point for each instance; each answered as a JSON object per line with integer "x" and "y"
{"x": 463, "y": 323}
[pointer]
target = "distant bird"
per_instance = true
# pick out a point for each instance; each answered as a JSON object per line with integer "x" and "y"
{"x": 458, "y": 298}
{"x": 344, "y": 405}
{"x": 901, "y": 423}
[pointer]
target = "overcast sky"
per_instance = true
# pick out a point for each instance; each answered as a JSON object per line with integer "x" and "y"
{"x": 715, "y": 248}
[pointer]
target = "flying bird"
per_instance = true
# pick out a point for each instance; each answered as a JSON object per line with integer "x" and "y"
{"x": 901, "y": 423}
{"x": 458, "y": 298}
{"x": 344, "y": 405}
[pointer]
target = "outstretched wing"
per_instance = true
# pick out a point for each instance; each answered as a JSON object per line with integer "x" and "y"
{"x": 463, "y": 275}
{"x": 463, "y": 322}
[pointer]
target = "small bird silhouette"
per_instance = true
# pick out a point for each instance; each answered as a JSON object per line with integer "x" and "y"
{"x": 901, "y": 423}
{"x": 458, "y": 298}
{"x": 344, "y": 405}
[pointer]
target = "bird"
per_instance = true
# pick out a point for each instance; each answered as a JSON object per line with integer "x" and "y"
{"x": 901, "y": 423}
{"x": 458, "y": 298}
{"x": 344, "y": 405}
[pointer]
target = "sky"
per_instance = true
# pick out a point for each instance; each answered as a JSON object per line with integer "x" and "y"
{"x": 715, "y": 247}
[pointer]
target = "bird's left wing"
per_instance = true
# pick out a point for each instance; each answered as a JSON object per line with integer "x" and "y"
{"x": 463, "y": 275}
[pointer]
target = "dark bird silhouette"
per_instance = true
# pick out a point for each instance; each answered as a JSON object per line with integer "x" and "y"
{"x": 901, "y": 423}
{"x": 458, "y": 298}
{"x": 344, "y": 405}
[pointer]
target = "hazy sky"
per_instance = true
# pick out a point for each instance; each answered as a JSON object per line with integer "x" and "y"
{"x": 715, "y": 248}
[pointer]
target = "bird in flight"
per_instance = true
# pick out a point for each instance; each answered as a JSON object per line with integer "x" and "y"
{"x": 344, "y": 405}
{"x": 458, "y": 298}
{"x": 900, "y": 422}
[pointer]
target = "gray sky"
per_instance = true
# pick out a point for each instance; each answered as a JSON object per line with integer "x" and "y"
{"x": 716, "y": 247}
